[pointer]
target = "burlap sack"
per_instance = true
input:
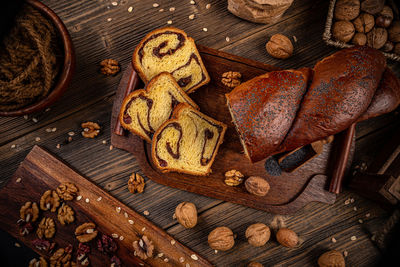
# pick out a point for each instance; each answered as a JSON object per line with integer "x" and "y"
{"x": 259, "y": 11}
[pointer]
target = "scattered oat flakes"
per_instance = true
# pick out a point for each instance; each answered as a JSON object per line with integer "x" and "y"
{"x": 146, "y": 212}
{"x": 191, "y": 16}
{"x": 87, "y": 200}
{"x": 48, "y": 130}
{"x": 53, "y": 129}
{"x": 71, "y": 133}
{"x": 347, "y": 202}
{"x": 13, "y": 146}
{"x": 173, "y": 242}
{"x": 131, "y": 222}
{"x": 353, "y": 238}
{"x": 205, "y": 29}
{"x": 118, "y": 209}
{"x": 18, "y": 245}
{"x": 169, "y": 22}
{"x": 99, "y": 198}
{"x": 181, "y": 259}
{"x": 111, "y": 147}
{"x": 114, "y": 235}
{"x": 160, "y": 255}
{"x": 143, "y": 229}
{"x": 295, "y": 39}
{"x": 355, "y": 208}
{"x": 109, "y": 19}
{"x": 227, "y": 39}
{"x": 126, "y": 215}
{"x": 130, "y": 9}
{"x": 333, "y": 240}
{"x": 360, "y": 221}
{"x": 345, "y": 253}
{"x": 172, "y": 9}
{"x": 37, "y": 139}
{"x": 156, "y": 5}
{"x": 58, "y": 146}
{"x": 194, "y": 256}
{"x": 121, "y": 237}
{"x": 367, "y": 215}
{"x": 192, "y": 2}
{"x": 34, "y": 120}
{"x": 79, "y": 197}
{"x": 161, "y": 10}
{"x": 114, "y": 3}
{"x": 351, "y": 200}
{"x": 104, "y": 142}
{"x": 208, "y": 6}
{"x": 18, "y": 180}
{"x": 25, "y": 117}
{"x": 166, "y": 260}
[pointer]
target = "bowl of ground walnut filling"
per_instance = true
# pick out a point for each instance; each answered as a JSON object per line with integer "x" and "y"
{"x": 37, "y": 61}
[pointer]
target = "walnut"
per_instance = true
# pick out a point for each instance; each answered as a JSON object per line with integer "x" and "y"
{"x": 364, "y": 23}
{"x": 257, "y": 186}
{"x": 359, "y": 39}
{"x": 143, "y": 248}
{"x": 186, "y": 214}
{"x": 331, "y": 258}
{"x": 106, "y": 244}
{"x": 136, "y": 183}
{"x": 90, "y": 129}
{"x": 67, "y": 191}
{"x": 396, "y": 49}
{"x": 382, "y": 21}
{"x": 46, "y": 228}
{"x": 258, "y": 234}
{"x": 50, "y": 201}
{"x": 279, "y": 46}
{"x": 287, "y": 237}
{"x": 233, "y": 178}
{"x": 255, "y": 264}
{"x": 372, "y": 6}
{"x": 377, "y": 38}
{"x": 25, "y": 228}
{"x": 343, "y": 30}
{"x": 221, "y": 238}
{"x": 394, "y": 32}
{"x": 115, "y": 261}
{"x": 41, "y": 262}
{"x": 43, "y": 245}
{"x": 231, "y": 78}
{"x": 62, "y": 258}
{"x": 86, "y": 232}
{"x": 82, "y": 255}
{"x": 347, "y": 9}
{"x": 388, "y": 46}
{"x": 65, "y": 214}
{"x": 109, "y": 67}
{"x": 29, "y": 212}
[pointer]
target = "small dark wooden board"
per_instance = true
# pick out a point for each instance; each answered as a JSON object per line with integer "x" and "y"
{"x": 289, "y": 192}
{"x": 41, "y": 171}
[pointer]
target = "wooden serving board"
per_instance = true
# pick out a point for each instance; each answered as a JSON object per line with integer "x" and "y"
{"x": 289, "y": 192}
{"x": 41, "y": 171}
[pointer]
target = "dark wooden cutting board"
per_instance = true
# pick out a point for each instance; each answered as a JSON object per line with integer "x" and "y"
{"x": 41, "y": 171}
{"x": 289, "y": 192}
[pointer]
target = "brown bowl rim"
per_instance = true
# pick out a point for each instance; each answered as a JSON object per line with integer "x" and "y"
{"x": 66, "y": 71}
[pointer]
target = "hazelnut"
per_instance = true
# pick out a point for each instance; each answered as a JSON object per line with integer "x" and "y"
{"x": 331, "y": 258}
{"x": 255, "y": 264}
{"x": 221, "y": 238}
{"x": 382, "y": 21}
{"x": 186, "y": 214}
{"x": 377, "y": 38}
{"x": 257, "y": 186}
{"x": 364, "y": 23}
{"x": 347, "y": 9}
{"x": 396, "y": 49}
{"x": 287, "y": 238}
{"x": 279, "y": 46}
{"x": 359, "y": 39}
{"x": 394, "y": 32}
{"x": 372, "y": 6}
{"x": 343, "y": 30}
{"x": 258, "y": 234}
{"x": 388, "y": 46}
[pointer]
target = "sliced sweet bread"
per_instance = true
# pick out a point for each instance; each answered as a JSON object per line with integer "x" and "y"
{"x": 188, "y": 142}
{"x": 144, "y": 110}
{"x": 171, "y": 50}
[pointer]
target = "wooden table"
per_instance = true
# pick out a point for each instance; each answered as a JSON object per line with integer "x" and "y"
{"x": 101, "y": 30}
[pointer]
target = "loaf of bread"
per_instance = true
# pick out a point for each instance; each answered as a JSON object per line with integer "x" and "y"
{"x": 188, "y": 142}
{"x": 143, "y": 111}
{"x": 171, "y": 50}
{"x": 342, "y": 90}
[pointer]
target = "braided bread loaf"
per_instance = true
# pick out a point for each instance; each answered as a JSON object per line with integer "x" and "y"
{"x": 277, "y": 111}
{"x": 171, "y": 50}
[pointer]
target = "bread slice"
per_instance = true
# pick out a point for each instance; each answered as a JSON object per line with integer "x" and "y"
{"x": 188, "y": 142}
{"x": 144, "y": 110}
{"x": 170, "y": 49}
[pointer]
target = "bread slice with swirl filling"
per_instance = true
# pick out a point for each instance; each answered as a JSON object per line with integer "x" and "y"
{"x": 143, "y": 111}
{"x": 170, "y": 49}
{"x": 188, "y": 142}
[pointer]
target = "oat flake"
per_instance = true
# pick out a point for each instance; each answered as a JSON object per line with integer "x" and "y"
{"x": 353, "y": 238}
{"x": 143, "y": 229}
{"x": 156, "y": 5}
{"x": 71, "y": 133}
{"x": 79, "y": 197}
{"x": 166, "y": 260}
{"x": 172, "y": 9}
{"x": 130, "y": 9}
{"x": 347, "y": 202}
{"x": 205, "y": 29}
{"x": 181, "y": 259}
{"x": 333, "y": 240}
{"x": 215, "y": 251}
{"x": 87, "y": 200}
{"x": 193, "y": 256}
{"x": 54, "y": 129}
{"x": 192, "y": 2}
{"x": 25, "y": 117}
{"x": 146, "y": 212}
{"x": 355, "y": 208}
{"x": 169, "y": 22}
{"x": 114, "y": 3}
{"x": 208, "y": 6}
{"x": 18, "y": 180}
{"x": 121, "y": 237}
{"x": 99, "y": 198}
{"x": 58, "y": 146}
{"x": 37, "y": 139}
{"x": 13, "y": 146}
{"x": 34, "y": 120}
{"x": 104, "y": 142}
{"x": 187, "y": 265}
{"x": 360, "y": 221}
{"x": 109, "y": 19}
{"x": 111, "y": 147}
{"x": 131, "y": 222}
{"x": 48, "y": 130}
{"x": 173, "y": 242}
{"x": 191, "y": 16}
{"x": 161, "y": 10}
{"x": 18, "y": 245}
{"x": 126, "y": 215}
{"x": 118, "y": 209}
{"x": 367, "y": 215}
{"x": 160, "y": 255}
{"x": 114, "y": 235}
{"x": 227, "y": 39}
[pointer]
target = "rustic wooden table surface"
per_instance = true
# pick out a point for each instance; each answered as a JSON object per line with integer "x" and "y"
{"x": 102, "y": 30}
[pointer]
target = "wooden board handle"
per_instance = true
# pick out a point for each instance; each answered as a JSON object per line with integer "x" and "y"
{"x": 132, "y": 83}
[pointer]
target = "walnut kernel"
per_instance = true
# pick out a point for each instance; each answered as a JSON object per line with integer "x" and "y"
{"x": 29, "y": 212}
{"x": 50, "y": 201}
{"x": 109, "y": 67}
{"x": 377, "y": 38}
{"x": 279, "y": 46}
{"x": 221, "y": 238}
{"x": 67, "y": 191}
{"x": 65, "y": 214}
{"x": 287, "y": 237}
{"x": 233, "y": 178}
{"x": 186, "y": 214}
{"x": 46, "y": 228}
{"x": 143, "y": 248}
{"x": 136, "y": 183}
{"x": 258, "y": 234}
{"x": 231, "y": 78}
{"x": 331, "y": 258}
{"x": 343, "y": 30}
{"x": 347, "y": 9}
{"x": 90, "y": 129}
{"x": 62, "y": 257}
{"x": 41, "y": 262}
{"x": 359, "y": 39}
{"x": 394, "y": 32}
{"x": 364, "y": 23}
{"x": 86, "y": 232}
{"x": 257, "y": 186}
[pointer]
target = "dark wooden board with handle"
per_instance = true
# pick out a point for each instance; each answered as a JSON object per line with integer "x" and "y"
{"x": 41, "y": 171}
{"x": 289, "y": 192}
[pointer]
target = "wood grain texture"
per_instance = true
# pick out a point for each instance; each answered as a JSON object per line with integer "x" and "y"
{"x": 41, "y": 171}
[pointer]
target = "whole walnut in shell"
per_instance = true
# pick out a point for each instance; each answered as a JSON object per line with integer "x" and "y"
{"x": 279, "y": 46}
{"x": 359, "y": 39}
{"x": 394, "y": 32}
{"x": 388, "y": 46}
{"x": 331, "y": 258}
{"x": 257, "y": 185}
{"x": 377, "y": 38}
{"x": 186, "y": 214}
{"x": 287, "y": 238}
{"x": 385, "y": 17}
{"x": 258, "y": 234}
{"x": 372, "y": 6}
{"x": 347, "y": 9}
{"x": 255, "y": 264}
{"x": 221, "y": 238}
{"x": 343, "y": 30}
{"x": 364, "y": 23}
